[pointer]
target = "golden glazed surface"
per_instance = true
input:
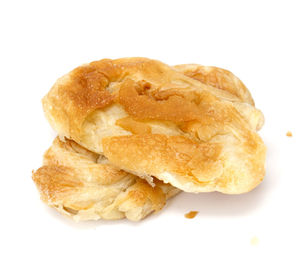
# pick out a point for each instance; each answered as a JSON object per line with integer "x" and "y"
{"x": 83, "y": 185}
{"x": 191, "y": 126}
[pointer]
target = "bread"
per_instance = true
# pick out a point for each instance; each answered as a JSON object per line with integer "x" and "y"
{"x": 83, "y": 185}
{"x": 150, "y": 119}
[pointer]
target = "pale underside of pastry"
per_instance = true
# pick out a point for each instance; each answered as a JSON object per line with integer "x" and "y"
{"x": 191, "y": 126}
{"x": 83, "y": 185}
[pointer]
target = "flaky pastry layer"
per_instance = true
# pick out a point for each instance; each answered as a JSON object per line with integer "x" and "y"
{"x": 83, "y": 185}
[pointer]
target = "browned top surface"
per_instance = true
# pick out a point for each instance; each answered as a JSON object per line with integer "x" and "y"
{"x": 83, "y": 90}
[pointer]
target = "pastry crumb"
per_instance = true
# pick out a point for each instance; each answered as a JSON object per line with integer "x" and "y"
{"x": 254, "y": 241}
{"x": 191, "y": 214}
{"x": 289, "y": 134}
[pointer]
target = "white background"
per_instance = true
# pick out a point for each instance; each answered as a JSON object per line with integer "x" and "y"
{"x": 257, "y": 40}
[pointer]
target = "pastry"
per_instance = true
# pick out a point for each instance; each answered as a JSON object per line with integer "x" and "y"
{"x": 218, "y": 78}
{"x": 83, "y": 185}
{"x": 163, "y": 122}
{"x": 225, "y": 80}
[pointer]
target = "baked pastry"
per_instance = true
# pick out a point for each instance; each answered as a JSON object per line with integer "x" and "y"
{"x": 218, "y": 78}
{"x": 83, "y": 185}
{"x": 225, "y": 80}
{"x": 154, "y": 120}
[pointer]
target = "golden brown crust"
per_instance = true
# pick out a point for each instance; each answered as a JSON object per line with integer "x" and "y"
{"x": 74, "y": 183}
{"x": 189, "y": 165}
{"x": 76, "y": 95}
{"x": 173, "y": 107}
{"x": 176, "y": 154}
{"x": 225, "y": 80}
{"x": 133, "y": 126}
{"x": 145, "y": 107}
{"x": 54, "y": 181}
{"x": 218, "y": 78}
